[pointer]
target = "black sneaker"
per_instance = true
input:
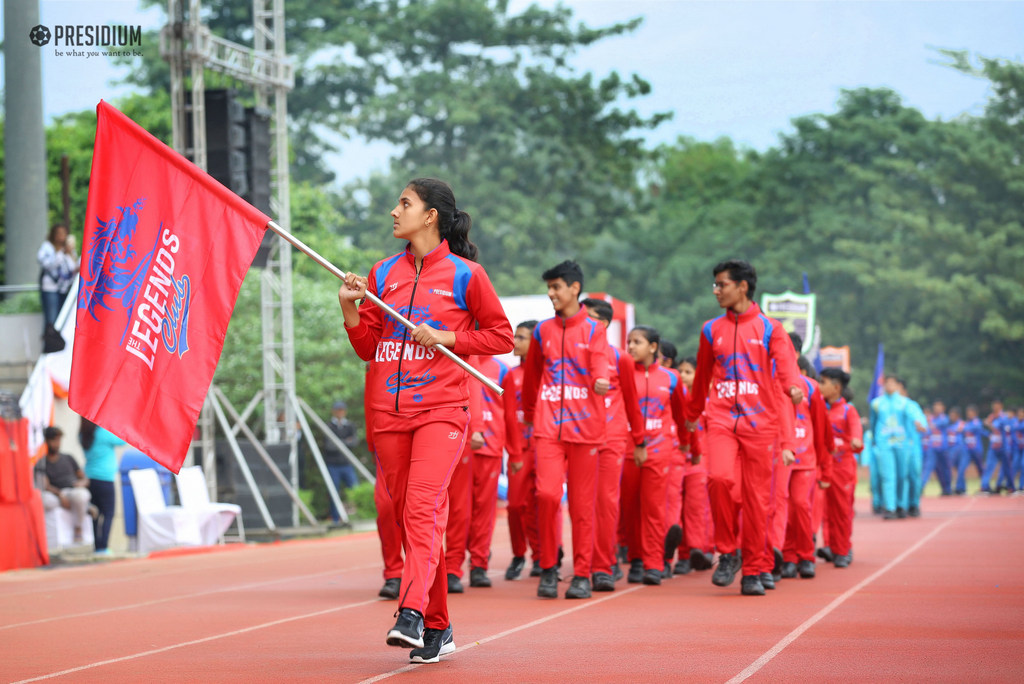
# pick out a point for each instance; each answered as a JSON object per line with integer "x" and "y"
{"x": 725, "y": 573}
{"x": 915, "y": 512}
{"x": 622, "y": 553}
{"x": 636, "y": 571}
{"x": 901, "y": 513}
{"x": 561, "y": 555}
{"x": 436, "y": 643}
{"x": 408, "y": 630}
{"x": 666, "y": 572}
{"x": 616, "y": 572}
{"x": 454, "y": 584}
{"x": 548, "y": 586}
{"x": 750, "y": 585}
{"x": 806, "y": 569}
{"x": 877, "y": 510}
{"x": 652, "y": 577}
{"x": 843, "y": 561}
{"x": 825, "y": 554}
{"x": 788, "y": 570}
{"x": 515, "y": 568}
{"x": 478, "y": 578}
{"x": 536, "y": 569}
{"x": 777, "y": 568}
{"x": 700, "y": 560}
{"x": 579, "y": 588}
{"x": 767, "y": 581}
{"x": 889, "y": 515}
{"x": 603, "y": 582}
{"x": 683, "y": 567}
{"x": 391, "y": 588}
{"x": 673, "y": 538}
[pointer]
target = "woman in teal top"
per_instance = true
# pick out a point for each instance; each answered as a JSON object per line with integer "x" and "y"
{"x": 101, "y": 469}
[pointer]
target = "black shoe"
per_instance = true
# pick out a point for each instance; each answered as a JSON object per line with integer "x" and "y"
{"x": 548, "y": 586}
{"x": 673, "y": 538}
{"x": 436, "y": 643}
{"x": 806, "y": 569}
{"x": 579, "y": 588}
{"x": 603, "y": 582}
{"x": 478, "y": 578}
{"x": 843, "y": 561}
{"x": 750, "y": 585}
{"x": 623, "y": 554}
{"x": 636, "y": 571}
{"x": 454, "y": 584}
{"x": 767, "y": 581}
{"x": 825, "y": 554}
{"x": 900, "y": 513}
{"x": 683, "y": 567}
{"x": 666, "y": 572}
{"x": 914, "y": 511}
{"x": 391, "y": 588}
{"x": 777, "y": 567}
{"x": 515, "y": 568}
{"x": 536, "y": 570}
{"x": 888, "y": 515}
{"x": 652, "y": 577}
{"x": 616, "y": 573}
{"x": 877, "y": 510}
{"x": 725, "y": 573}
{"x": 561, "y": 555}
{"x": 788, "y": 571}
{"x": 700, "y": 560}
{"x": 408, "y": 630}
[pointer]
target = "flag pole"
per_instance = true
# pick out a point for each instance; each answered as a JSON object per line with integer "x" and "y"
{"x": 308, "y": 251}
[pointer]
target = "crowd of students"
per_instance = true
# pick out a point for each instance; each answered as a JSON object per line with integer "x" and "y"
{"x": 742, "y": 450}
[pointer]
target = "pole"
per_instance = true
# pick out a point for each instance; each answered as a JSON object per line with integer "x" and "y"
{"x": 308, "y": 251}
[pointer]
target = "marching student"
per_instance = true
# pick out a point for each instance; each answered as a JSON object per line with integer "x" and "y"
{"x": 521, "y": 467}
{"x": 910, "y": 485}
{"x": 746, "y": 367}
{"x": 937, "y": 450}
{"x": 697, "y": 549}
{"x": 624, "y": 433}
{"x": 419, "y": 399}
{"x": 847, "y": 432}
{"x": 566, "y": 378}
{"x": 1000, "y": 425}
{"x": 645, "y": 477}
{"x": 892, "y": 428}
{"x": 973, "y": 451}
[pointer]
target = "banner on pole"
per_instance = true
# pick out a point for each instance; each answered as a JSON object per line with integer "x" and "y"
{"x": 796, "y": 312}
{"x": 836, "y": 357}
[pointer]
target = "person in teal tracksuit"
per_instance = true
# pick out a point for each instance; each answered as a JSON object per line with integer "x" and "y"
{"x": 892, "y": 426}
{"x": 909, "y": 496}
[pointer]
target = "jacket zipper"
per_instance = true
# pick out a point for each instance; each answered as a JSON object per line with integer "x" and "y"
{"x": 561, "y": 398}
{"x": 405, "y": 336}
{"x": 647, "y": 398}
{"x": 735, "y": 379}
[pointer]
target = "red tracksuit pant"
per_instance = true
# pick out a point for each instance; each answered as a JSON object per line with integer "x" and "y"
{"x": 818, "y": 516}
{"x": 522, "y": 507}
{"x": 556, "y": 462}
{"x": 696, "y": 513}
{"x": 418, "y": 454}
{"x": 644, "y": 501}
{"x": 388, "y": 529}
{"x": 609, "y": 479}
{"x": 799, "y": 544}
{"x": 839, "y": 514}
{"x": 460, "y": 498}
{"x": 485, "y": 505}
{"x": 778, "y": 514}
{"x": 739, "y": 482}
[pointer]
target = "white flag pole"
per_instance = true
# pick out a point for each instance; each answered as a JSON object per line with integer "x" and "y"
{"x": 308, "y": 251}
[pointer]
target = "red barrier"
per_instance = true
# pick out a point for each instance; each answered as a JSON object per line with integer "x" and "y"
{"x": 22, "y": 528}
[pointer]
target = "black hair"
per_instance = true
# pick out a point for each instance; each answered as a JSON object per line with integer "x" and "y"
{"x": 600, "y": 307}
{"x": 652, "y": 334}
{"x": 87, "y": 433}
{"x": 692, "y": 360}
{"x": 453, "y": 223}
{"x": 798, "y": 342}
{"x": 806, "y": 367}
{"x": 568, "y": 270}
{"x": 847, "y": 394}
{"x": 669, "y": 351}
{"x": 739, "y": 270}
{"x": 527, "y": 324}
{"x": 53, "y": 231}
{"x": 836, "y": 374}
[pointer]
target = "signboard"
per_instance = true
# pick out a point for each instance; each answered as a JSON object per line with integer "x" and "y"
{"x": 795, "y": 311}
{"x": 836, "y": 357}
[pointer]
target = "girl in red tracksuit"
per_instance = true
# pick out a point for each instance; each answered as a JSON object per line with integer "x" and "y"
{"x": 645, "y": 478}
{"x": 419, "y": 398}
{"x": 849, "y": 440}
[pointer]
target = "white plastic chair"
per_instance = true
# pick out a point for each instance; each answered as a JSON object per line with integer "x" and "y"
{"x": 160, "y": 526}
{"x": 214, "y": 517}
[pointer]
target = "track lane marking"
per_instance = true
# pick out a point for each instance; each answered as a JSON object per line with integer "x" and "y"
{"x": 775, "y": 650}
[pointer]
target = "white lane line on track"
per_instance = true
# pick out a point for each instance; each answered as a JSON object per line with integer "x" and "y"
{"x": 142, "y": 604}
{"x": 508, "y": 632}
{"x": 195, "y": 642}
{"x": 767, "y": 657}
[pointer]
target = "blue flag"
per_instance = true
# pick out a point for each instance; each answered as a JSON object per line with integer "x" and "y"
{"x": 876, "y": 383}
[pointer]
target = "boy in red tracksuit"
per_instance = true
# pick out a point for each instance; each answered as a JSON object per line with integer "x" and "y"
{"x": 813, "y": 468}
{"x": 849, "y": 440}
{"x": 697, "y": 549}
{"x": 388, "y": 529}
{"x": 486, "y": 468}
{"x": 418, "y": 398}
{"x": 645, "y": 478}
{"x": 746, "y": 365}
{"x": 625, "y": 432}
{"x": 566, "y": 378}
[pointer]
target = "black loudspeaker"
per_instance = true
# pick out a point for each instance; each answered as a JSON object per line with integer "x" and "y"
{"x": 257, "y": 123}
{"x": 232, "y": 487}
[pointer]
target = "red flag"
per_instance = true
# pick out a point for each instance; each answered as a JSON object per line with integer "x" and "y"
{"x": 165, "y": 251}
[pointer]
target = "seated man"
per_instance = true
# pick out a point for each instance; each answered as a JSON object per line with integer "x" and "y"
{"x": 63, "y": 482}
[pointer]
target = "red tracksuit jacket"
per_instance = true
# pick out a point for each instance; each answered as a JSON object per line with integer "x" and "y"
{"x": 813, "y": 433}
{"x": 516, "y": 430}
{"x": 449, "y": 293}
{"x": 621, "y": 406}
{"x": 846, "y": 427}
{"x": 662, "y": 402}
{"x": 742, "y": 361}
{"x": 566, "y": 357}
{"x": 491, "y": 421}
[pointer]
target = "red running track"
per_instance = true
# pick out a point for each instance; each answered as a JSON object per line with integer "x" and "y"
{"x": 939, "y": 598}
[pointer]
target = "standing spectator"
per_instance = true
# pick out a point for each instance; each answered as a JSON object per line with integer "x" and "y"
{"x": 101, "y": 470}
{"x": 58, "y": 264}
{"x": 342, "y": 472}
{"x": 64, "y": 482}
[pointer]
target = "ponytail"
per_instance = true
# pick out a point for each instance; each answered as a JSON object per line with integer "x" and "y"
{"x": 453, "y": 223}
